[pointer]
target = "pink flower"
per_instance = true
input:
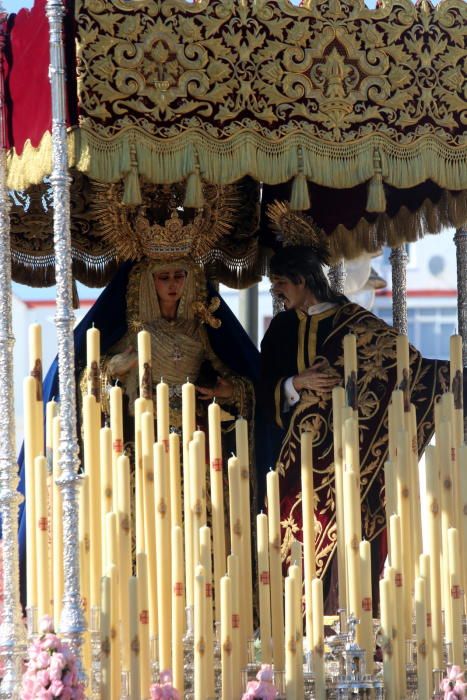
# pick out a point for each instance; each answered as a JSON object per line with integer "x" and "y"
{"x": 67, "y": 694}
{"x": 42, "y": 660}
{"x": 57, "y": 688}
{"x": 43, "y": 677}
{"x": 44, "y": 694}
{"x": 46, "y": 624}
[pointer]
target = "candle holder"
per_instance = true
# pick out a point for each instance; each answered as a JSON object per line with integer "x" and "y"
{"x": 411, "y": 665}
{"x": 438, "y": 675}
{"x": 154, "y": 655}
{"x": 217, "y": 660}
{"x": 31, "y": 621}
{"x": 95, "y": 631}
{"x": 125, "y": 685}
{"x": 188, "y": 652}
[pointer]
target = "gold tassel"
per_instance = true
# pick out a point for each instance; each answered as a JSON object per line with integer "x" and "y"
{"x": 376, "y": 201}
{"x": 300, "y": 196}
{"x": 132, "y": 191}
{"x": 194, "y": 191}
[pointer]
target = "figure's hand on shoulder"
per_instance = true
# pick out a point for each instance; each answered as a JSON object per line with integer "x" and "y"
{"x": 319, "y": 377}
{"x": 222, "y": 390}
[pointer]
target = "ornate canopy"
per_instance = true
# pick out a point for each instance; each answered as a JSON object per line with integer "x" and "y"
{"x": 355, "y": 115}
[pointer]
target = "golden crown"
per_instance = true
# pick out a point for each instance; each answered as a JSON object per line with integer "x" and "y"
{"x": 134, "y": 235}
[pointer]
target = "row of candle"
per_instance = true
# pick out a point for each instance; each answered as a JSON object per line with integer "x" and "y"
{"x": 106, "y": 542}
{"x": 413, "y": 581}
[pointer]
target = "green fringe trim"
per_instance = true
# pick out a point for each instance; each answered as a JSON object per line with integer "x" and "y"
{"x": 300, "y": 196}
{"x": 376, "y": 201}
{"x": 222, "y": 162}
{"x": 194, "y": 191}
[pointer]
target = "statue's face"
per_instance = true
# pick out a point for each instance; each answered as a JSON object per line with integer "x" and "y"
{"x": 169, "y": 285}
{"x": 292, "y": 295}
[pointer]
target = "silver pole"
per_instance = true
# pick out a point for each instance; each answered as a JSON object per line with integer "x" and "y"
{"x": 460, "y": 239}
{"x": 248, "y": 311}
{"x": 337, "y": 275}
{"x": 12, "y": 631}
{"x": 72, "y": 620}
{"x": 398, "y": 260}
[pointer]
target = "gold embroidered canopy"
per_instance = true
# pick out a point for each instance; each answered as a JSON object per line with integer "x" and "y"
{"x": 329, "y": 104}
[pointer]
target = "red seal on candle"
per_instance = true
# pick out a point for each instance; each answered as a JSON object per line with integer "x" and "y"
{"x": 456, "y": 592}
{"x": 235, "y": 621}
{"x": 428, "y": 619}
{"x": 209, "y": 590}
{"x": 398, "y": 580}
{"x": 178, "y": 588}
{"x": 144, "y": 617}
{"x": 117, "y": 445}
{"x": 216, "y": 464}
{"x": 42, "y": 524}
{"x": 264, "y": 578}
{"x": 166, "y": 445}
{"x": 367, "y": 604}
{"x": 453, "y": 454}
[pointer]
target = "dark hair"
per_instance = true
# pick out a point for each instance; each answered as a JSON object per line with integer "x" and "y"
{"x": 297, "y": 262}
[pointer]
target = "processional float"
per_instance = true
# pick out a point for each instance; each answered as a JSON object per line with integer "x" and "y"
{"x": 355, "y": 116}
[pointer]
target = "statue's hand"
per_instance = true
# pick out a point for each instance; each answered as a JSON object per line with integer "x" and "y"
{"x": 123, "y": 362}
{"x": 222, "y": 390}
{"x": 316, "y": 378}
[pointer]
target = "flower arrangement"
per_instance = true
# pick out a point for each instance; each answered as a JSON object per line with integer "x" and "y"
{"x": 164, "y": 690}
{"x": 453, "y": 686}
{"x": 51, "y": 668}
{"x": 263, "y": 687}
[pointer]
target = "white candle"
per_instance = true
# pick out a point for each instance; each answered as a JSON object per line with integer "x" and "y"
{"x": 91, "y": 427}
{"x": 275, "y": 569}
{"x": 205, "y": 556}
{"x": 317, "y": 640}
{"x": 338, "y": 402}
{"x": 178, "y": 608}
{"x": 308, "y": 520}
{"x": 241, "y": 435}
{"x": 105, "y": 687}
{"x": 188, "y": 428}
{"x": 423, "y": 670}
{"x": 433, "y": 519}
{"x": 124, "y": 547}
{"x": 133, "y": 635}
{"x": 29, "y": 401}
{"x": 366, "y": 614}
{"x": 389, "y": 659}
{"x": 263, "y": 587}
{"x": 199, "y": 639}
{"x": 116, "y": 426}
{"x": 454, "y": 628}
{"x": 226, "y": 638}
{"x": 175, "y": 484}
{"x": 163, "y": 552}
{"x": 143, "y": 624}
{"x": 233, "y": 571}
{"x": 291, "y": 681}
{"x": 217, "y": 498}
{"x": 42, "y": 537}
{"x": 57, "y": 526}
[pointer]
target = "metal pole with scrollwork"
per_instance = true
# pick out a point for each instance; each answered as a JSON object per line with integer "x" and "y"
{"x": 337, "y": 276}
{"x": 72, "y": 619}
{"x": 398, "y": 260}
{"x": 12, "y": 631}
